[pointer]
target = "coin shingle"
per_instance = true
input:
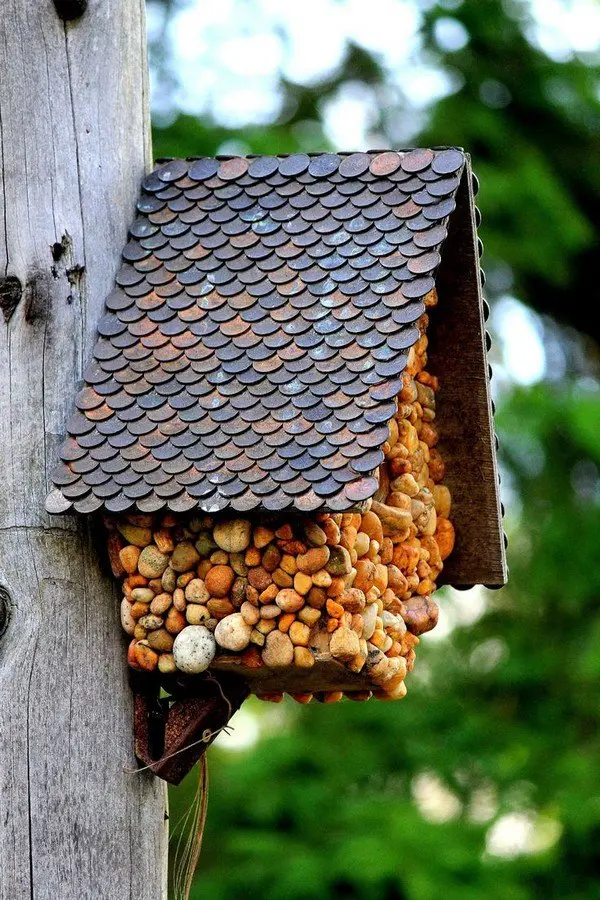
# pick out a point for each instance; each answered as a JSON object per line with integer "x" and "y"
{"x": 252, "y": 350}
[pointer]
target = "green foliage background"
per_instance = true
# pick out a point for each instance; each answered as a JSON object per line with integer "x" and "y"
{"x": 499, "y": 733}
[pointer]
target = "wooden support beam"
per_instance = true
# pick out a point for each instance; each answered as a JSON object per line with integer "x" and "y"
{"x": 74, "y": 143}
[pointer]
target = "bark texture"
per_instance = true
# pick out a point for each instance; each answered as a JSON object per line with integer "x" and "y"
{"x": 74, "y": 144}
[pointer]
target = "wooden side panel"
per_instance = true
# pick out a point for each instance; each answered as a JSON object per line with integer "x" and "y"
{"x": 458, "y": 356}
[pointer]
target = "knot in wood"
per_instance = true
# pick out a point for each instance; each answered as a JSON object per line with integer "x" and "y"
{"x": 70, "y": 9}
{"x": 11, "y": 291}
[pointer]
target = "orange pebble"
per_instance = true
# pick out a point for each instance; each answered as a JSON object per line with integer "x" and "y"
{"x": 285, "y": 621}
{"x": 444, "y": 536}
{"x": 332, "y": 624}
{"x": 252, "y": 557}
{"x": 136, "y": 581}
{"x": 302, "y": 698}
{"x": 332, "y": 696}
{"x": 129, "y": 556}
{"x": 335, "y": 609}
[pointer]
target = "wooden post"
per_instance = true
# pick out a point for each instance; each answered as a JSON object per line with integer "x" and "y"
{"x": 74, "y": 144}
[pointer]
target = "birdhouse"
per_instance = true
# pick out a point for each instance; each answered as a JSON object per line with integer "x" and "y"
{"x": 287, "y": 427}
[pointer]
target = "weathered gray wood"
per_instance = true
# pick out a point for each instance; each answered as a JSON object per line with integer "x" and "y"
{"x": 74, "y": 143}
{"x": 457, "y": 354}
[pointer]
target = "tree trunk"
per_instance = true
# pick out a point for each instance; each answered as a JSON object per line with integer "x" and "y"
{"x": 74, "y": 143}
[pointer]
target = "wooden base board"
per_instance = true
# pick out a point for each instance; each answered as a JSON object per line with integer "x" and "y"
{"x": 327, "y": 674}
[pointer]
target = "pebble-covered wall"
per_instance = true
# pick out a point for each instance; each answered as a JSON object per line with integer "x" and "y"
{"x": 356, "y": 587}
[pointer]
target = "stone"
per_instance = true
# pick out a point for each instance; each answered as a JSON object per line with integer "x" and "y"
{"x": 262, "y": 536}
{"x": 233, "y": 632}
{"x": 196, "y": 614}
{"x": 371, "y": 525}
{"x": 365, "y": 575}
{"x": 442, "y": 500}
{"x": 353, "y": 600}
{"x": 160, "y": 640}
{"x": 309, "y": 616}
{"x": 303, "y": 658}
{"x": 271, "y": 558}
{"x": 444, "y": 536}
{"x": 194, "y": 649}
{"x": 302, "y": 583}
{"x": 142, "y": 595}
{"x": 344, "y": 643}
{"x": 340, "y": 561}
{"x": 145, "y": 656}
{"x": 369, "y": 616}
{"x": 160, "y": 604}
{"x": 278, "y": 650}
{"x": 233, "y": 535}
{"x": 152, "y": 563}
{"x": 299, "y": 633}
{"x": 250, "y": 613}
{"x": 314, "y": 534}
{"x": 151, "y": 622}
{"x": 313, "y": 560}
{"x": 205, "y": 543}
{"x": 219, "y": 580}
{"x": 269, "y": 611}
{"x": 139, "y": 609}
{"x": 129, "y": 556}
{"x": 175, "y": 621}
{"x": 127, "y": 620}
{"x": 219, "y": 558}
{"x": 321, "y": 579}
{"x": 238, "y": 564}
{"x": 166, "y": 663}
{"x": 134, "y": 534}
{"x": 164, "y": 540}
{"x": 259, "y": 578}
{"x": 405, "y": 484}
{"x": 184, "y": 557}
{"x": 361, "y": 544}
{"x": 421, "y": 614}
{"x": 219, "y": 607}
{"x": 257, "y": 638}
{"x": 196, "y": 591}
{"x": 169, "y": 580}
{"x": 289, "y": 600}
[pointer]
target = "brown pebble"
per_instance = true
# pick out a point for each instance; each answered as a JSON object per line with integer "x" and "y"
{"x": 160, "y": 640}
{"x": 184, "y": 557}
{"x": 313, "y": 560}
{"x": 136, "y": 535}
{"x": 219, "y": 580}
{"x": 160, "y": 604}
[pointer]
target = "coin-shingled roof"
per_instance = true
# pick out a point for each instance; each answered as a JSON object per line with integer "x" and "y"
{"x": 252, "y": 350}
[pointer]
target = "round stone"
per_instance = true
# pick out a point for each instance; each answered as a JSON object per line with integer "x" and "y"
{"x": 233, "y": 632}
{"x": 194, "y": 649}
{"x": 233, "y": 536}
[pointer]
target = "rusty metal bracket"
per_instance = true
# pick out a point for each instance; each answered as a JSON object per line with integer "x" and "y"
{"x": 172, "y": 732}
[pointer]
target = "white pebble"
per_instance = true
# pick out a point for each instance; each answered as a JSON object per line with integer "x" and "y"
{"x": 194, "y": 649}
{"x": 233, "y": 632}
